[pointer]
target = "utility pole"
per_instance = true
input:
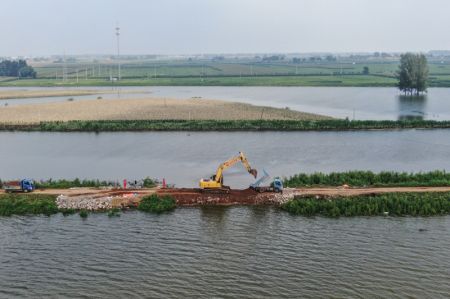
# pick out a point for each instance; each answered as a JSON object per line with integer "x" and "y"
{"x": 118, "y": 51}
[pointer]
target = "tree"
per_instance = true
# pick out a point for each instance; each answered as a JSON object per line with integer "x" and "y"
{"x": 413, "y": 73}
{"x": 365, "y": 70}
{"x": 19, "y": 68}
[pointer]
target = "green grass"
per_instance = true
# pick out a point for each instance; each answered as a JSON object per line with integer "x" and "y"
{"x": 224, "y": 125}
{"x": 368, "y": 178}
{"x": 155, "y": 204}
{"x": 267, "y": 80}
{"x": 30, "y": 204}
{"x": 393, "y": 204}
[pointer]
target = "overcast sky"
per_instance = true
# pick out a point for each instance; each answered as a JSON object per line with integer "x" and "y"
{"x": 43, "y": 27}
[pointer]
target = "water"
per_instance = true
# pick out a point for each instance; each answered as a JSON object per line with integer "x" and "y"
{"x": 236, "y": 252}
{"x": 183, "y": 158}
{"x": 341, "y": 102}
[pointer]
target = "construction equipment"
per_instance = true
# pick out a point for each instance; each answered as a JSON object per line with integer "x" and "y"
{"x": 275, "y": 186}
{"x": 215, "y": 183}
{"x": 24, "y": 185}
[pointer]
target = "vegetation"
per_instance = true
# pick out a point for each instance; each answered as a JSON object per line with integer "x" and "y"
{"x": 19, "y": 68}
{"x": 393, "y": 204}
{"x": 223, "y": 125}
{"x": 368, "y": 178}
{"x": 275, "y": 70}
{"x": 84, "y": 214}
{"x": 413, "y": 73}
{"x": 30, "y": 204}
{"x": 65, "y": 184}
{"x": 115, "y": 212}
{"x": 156, "y": 204}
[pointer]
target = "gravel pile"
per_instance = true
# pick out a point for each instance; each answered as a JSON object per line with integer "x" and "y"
{"x": 84, "y": 202}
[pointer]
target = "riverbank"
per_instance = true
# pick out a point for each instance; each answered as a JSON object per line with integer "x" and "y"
{"x": 328, "y": 202}
{"x": 221, "y": 125}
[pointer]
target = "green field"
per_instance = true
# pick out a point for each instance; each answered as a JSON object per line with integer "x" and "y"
{"x": 226, "y": 73}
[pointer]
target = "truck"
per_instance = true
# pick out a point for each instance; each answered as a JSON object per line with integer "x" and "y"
{"x": 24, "y": 185}
{"x": 275, "y": 186}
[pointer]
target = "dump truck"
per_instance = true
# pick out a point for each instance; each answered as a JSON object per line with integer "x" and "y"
{"x": 215, "y": 182}
{"x": 275, "y": 186}
{"x": 24, "y": 185}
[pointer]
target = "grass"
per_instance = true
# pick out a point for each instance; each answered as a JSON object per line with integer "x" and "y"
{"x": 156, "y": 204}
{"x": 368, "y": 178}
{"x": 223, "y": 125}
{"x": 280, "y": 80}
{"x": 30, "y": 204}
{"x": 393, "y": 204}
{"x": 115, "y": 212}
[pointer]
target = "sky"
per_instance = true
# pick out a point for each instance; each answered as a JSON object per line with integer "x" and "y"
{"x": 48, "y": 27}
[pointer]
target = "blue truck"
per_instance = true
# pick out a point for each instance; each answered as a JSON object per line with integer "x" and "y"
{"x": 275, "y": 186}
{"x": 24, "y": 185}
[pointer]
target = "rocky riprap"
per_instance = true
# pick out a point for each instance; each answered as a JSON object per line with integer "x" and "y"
{"x": 84, "y": 202}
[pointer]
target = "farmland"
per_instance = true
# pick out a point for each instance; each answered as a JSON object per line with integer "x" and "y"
{"x": 229, "y": 72}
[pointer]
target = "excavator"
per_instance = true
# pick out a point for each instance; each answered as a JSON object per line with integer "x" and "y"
{"x": 215, "y": 183}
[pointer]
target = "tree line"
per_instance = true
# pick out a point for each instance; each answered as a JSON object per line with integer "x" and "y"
{"x": 16, "y": 68}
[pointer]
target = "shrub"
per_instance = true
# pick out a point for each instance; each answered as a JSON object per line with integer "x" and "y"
{"x": 27, "y": 204}
{"x": 156, "y": 204}
{"x": 84, "y": 214}
{"x": 368, "y": 178}
{"x": 394, "y": 204}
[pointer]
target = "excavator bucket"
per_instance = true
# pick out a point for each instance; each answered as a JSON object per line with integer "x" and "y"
{"x": 253, "y": 172}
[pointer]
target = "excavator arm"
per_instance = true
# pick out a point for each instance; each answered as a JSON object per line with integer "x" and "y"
{"x": 216, "y": 181}
{"x": 218, "y": 177}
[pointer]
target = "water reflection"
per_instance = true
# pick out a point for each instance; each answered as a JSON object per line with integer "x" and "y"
{"x": 412, "y": 107}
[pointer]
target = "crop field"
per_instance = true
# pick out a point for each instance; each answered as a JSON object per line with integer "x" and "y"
{"x": 230, "y": 72}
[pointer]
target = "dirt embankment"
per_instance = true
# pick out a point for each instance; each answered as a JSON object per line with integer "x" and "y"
{"x": 147, "y": 109}
{"x": 88, "y": 197}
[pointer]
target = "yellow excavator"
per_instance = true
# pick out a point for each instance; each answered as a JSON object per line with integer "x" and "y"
{"x": 215, "y": 183}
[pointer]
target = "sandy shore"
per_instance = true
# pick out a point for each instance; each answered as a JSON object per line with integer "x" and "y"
{"x": 22, "y": 94}
{"x": 151, "y": 108}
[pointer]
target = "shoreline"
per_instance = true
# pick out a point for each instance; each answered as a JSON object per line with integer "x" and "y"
{"x": 211, "y": 125}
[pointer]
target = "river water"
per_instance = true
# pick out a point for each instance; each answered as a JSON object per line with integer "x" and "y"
{"x": 353, "y": 102}
{"x": 219, "y": 252}
{"x": 182, "y": 158}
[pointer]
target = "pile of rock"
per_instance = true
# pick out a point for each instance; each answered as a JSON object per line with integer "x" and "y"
{"x": 281, "y": 198}
{"x": 84, "y": 202}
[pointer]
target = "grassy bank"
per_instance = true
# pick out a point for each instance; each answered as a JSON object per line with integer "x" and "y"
{"x": 30, "y": 204}
{"x": 222, "y": 125}
{"x": 393, "y": 204}
{"x": 370, "y": 179}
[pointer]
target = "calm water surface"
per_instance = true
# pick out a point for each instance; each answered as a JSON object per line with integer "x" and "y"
{"x": 238, "y": 252}
{"x": 183, "y": 158}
